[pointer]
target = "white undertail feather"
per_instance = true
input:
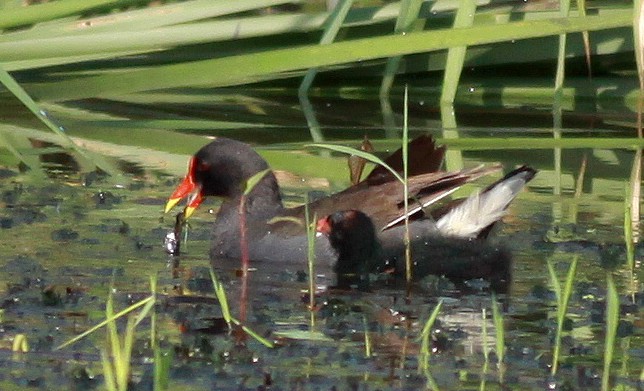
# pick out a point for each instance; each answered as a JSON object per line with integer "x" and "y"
{"x": 480, "y": 210}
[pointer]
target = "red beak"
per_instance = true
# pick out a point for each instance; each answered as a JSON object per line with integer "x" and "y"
{"x": 187, "y": 188}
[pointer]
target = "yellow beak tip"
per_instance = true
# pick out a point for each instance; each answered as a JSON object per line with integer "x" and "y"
{"x": 188, "y": 211}
{"x": 172, "y": 202}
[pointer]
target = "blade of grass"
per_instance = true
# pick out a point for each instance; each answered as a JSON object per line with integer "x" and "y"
{"x": 153, "y": 317}
{"x": 456, "y": 54}
{"x": 628, "y": 237}
{"x": 333, "y": 24}
{"x": 64, "y": 140}
{"x": 108, "y": 372}
{"x": 638, "y": 39}
{"x": 486, "y": 350}
{"x": 612, "y": 320}
{"x": 20, "y": 344}
{"x": 365, "y": 155}
{"x": 407, "y": 21}
{"x": 162, "y": 362}
{"x": 272, "y": 64}
{"x": 220, "y": 292}
{"x": 497, "y": 317}
{"x": 112, "y": 335}
{"x": 106, "y": 321}
{"x": 635, "y": 194}
{"x": 250, "y": 184}
{"x": 310, "y": 257}
{"x": 564, "y": 10}
{"x": 52, "y": 10}
{"x": 425, "y": 337}
{"x": 145, "y": 18}
{"x": 367, "y": 338}
{"x": 563, "y": 298}
{"x": 405, "y": 154}
{"x": 581, "y": 7}
{"x": 253, "y": 334}
{"x": 123, "y": 366}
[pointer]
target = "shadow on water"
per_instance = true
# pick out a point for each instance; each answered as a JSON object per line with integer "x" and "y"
{"x": 66, "y": 231}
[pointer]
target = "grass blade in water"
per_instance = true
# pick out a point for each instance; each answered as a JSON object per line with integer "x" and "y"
{"x": 497, "y": 316}
{"x": 563, "y": 299}
{"x": 425, "y": 338}
{"x": 612, "y": 320}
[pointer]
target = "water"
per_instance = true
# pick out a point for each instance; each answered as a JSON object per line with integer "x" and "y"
{"x": 70, "y": 235}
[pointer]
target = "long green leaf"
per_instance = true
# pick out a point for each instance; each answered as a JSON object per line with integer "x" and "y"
{"x": 106, "y": 321}
{"x": 145, "y": 18}
{"x": 333, "y": 24}
{"x": 51, "y": 10}
{"x": 425, "y": 337}
{"x": 612, "y": 320}
{"x": 273, "y": 64}
{"x": 63, "y": 138}
{"x": 564, "y": 9}
{"x": 563, "y": 298}
{"x": 254, "y": 180}
{"x": 638, "y": 39}
{"x": 365, "y": 155}
{"x": 407, "y": 21}
{"x": 456, "y": 55}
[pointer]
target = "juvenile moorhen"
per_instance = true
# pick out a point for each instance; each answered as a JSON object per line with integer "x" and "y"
{"x": 222, "y": 167}
{"x": 448, "y": 244}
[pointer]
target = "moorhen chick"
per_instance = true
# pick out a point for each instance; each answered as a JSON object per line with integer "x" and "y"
{"x": 449, "y": 244}
{"x": 222, "y": 167}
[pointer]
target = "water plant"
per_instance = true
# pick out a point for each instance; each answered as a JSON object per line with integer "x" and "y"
{"x": 220, "y": 293}
{"x": 83, "y": 34}
{"x": 249, "y": 185}
{"x": 612, "y": 320}
{"x": 116, "y": 357}
{"x": 425, "y": 338}
{"x": 162, "y": 362}
{"x": 367, "y": 338}
{"x": 499, "y": 328}
{"x": 486, "y": 349}
{"x": 20, "y": 344}
{"x": 563, "y": 298}
{"x": 638, "y": 38}
{"x": 310, "y": 258}
{"x": 405, "y": 183}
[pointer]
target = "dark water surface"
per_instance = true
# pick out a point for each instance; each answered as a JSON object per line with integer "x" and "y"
{"x": 67, "y": 234}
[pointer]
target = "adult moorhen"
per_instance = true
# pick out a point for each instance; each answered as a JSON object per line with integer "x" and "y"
{"x": 222, "y": 167}
{"x": 448, "y": 244}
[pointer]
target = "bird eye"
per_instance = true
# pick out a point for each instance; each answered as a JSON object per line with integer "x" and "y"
{"x": 203, "y": 166}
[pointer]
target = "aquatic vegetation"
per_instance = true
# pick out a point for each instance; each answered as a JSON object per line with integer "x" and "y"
{"x": 162, "y": 363}
{"x": 426, "y": 338}
{"x": 310, "y": 258}
{"x": 20, "y": 344}
{"x": 222, "y": 297}
{"x": 563, "y": 298}
{"x": 612, "y": 320}
{"x": 499, "y": 338}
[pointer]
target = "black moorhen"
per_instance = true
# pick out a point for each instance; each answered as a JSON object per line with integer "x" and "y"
{"x": 352, "y": 235}
{"x": 448, "y": 244}
{"x": 222, "y": 167}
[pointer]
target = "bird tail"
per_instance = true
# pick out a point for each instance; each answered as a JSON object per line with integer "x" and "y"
{"x": 475, "y": 215}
